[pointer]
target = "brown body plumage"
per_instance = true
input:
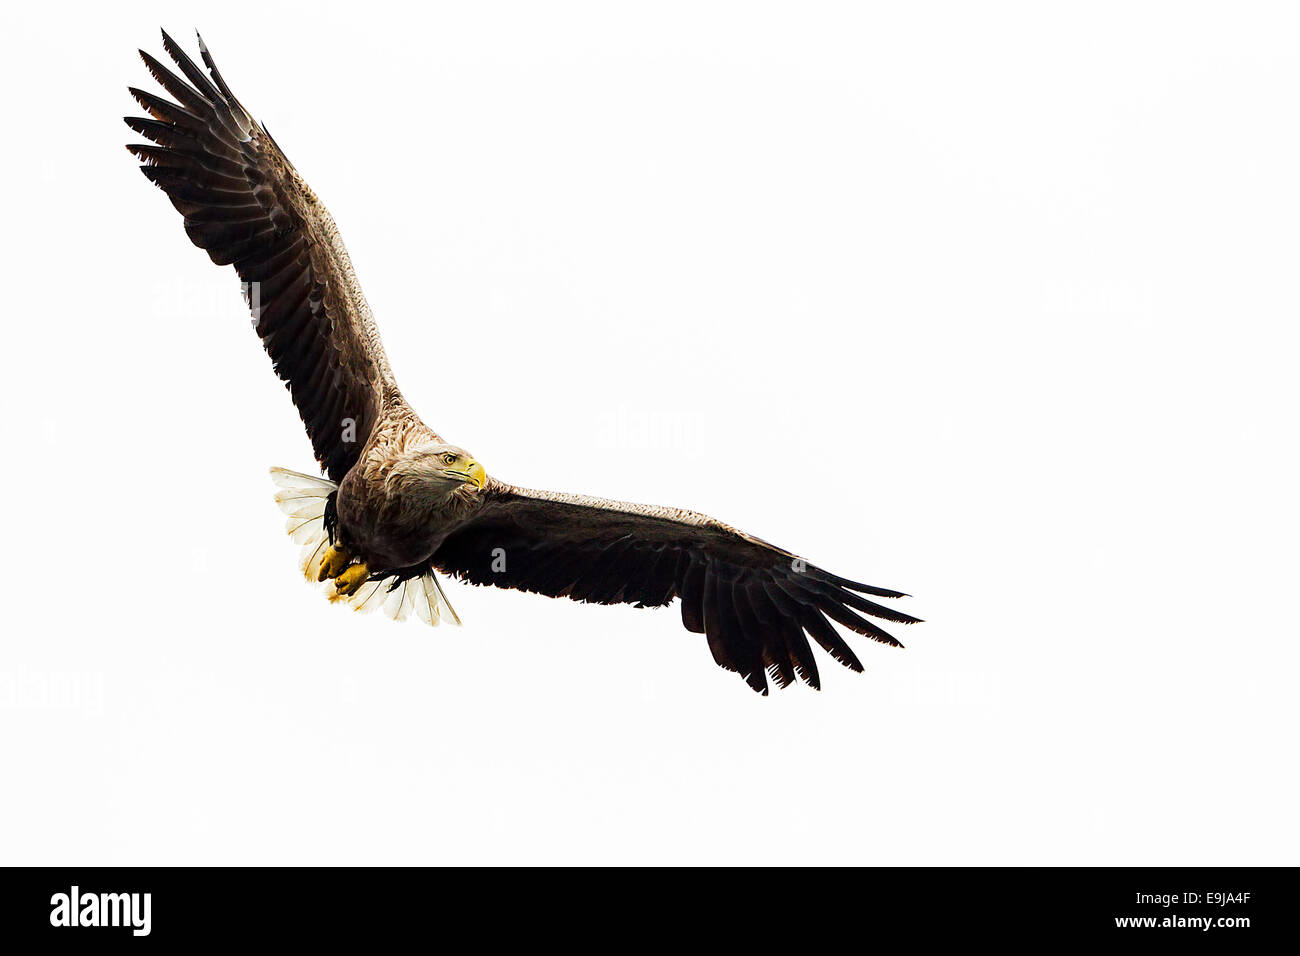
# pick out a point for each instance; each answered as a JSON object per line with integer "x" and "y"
{"x": 399, "y": 502}
{"x": 388, "y": 515}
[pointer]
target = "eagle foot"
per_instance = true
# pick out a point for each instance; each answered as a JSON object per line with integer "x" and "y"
{"x": 334, "y": 563}
{"x": 352, "y": 578}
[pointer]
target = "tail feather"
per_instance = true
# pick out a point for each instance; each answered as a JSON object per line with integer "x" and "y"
{"x": 441, "y": 596}
{"x": 303, "y": 499}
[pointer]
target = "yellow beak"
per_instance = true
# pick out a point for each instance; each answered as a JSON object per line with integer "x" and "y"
{"x": 477, "y": 474}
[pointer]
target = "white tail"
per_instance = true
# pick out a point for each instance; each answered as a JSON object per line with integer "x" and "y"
{"x": 302, "y": 498}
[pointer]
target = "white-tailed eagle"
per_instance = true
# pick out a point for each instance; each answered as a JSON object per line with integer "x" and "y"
{"x": 400, "y": 503}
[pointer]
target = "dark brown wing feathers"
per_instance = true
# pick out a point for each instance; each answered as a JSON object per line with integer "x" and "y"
{"x": 756, "y": 605}
{"x": 245, "y": 206}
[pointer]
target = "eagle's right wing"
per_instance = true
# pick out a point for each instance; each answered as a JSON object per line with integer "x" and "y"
{"x": 245, "y": 205}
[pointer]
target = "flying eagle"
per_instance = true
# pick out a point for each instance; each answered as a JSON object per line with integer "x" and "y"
{"x": 401, "y": 503}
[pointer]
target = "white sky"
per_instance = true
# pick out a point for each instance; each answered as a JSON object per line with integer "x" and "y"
{"x": 994, "y": 306}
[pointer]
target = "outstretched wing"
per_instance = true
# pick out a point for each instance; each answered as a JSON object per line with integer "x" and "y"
{"x": 246, "y": 206}
{"x": 753, "y": 601}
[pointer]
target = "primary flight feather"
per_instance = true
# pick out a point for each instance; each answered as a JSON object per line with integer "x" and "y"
{"x": 400, "y": 503}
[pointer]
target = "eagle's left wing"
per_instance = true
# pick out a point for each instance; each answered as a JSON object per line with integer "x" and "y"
{"x": 752, "y": 600}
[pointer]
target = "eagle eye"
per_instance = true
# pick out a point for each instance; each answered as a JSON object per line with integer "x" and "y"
{"x": 449, "y": 458}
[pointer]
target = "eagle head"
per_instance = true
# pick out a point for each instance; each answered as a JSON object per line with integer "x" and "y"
{"x": 442, "y": 468}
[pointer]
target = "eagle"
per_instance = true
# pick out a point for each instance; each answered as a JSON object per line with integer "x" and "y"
{"x": 398, "y": 504}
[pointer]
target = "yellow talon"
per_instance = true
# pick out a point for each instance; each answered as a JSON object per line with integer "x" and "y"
{"x": 332, "y": 565}
{"x": 351, "y": 579}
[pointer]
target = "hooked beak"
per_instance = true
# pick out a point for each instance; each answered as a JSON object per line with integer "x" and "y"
{"x": 477, "y": 475}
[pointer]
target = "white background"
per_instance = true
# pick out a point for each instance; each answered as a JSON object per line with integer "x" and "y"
{"x": 994, "y": 306}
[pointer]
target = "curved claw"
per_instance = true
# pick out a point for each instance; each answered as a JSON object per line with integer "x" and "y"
{"x": 334, "y": 562}
{"x": 352, "y": 578}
